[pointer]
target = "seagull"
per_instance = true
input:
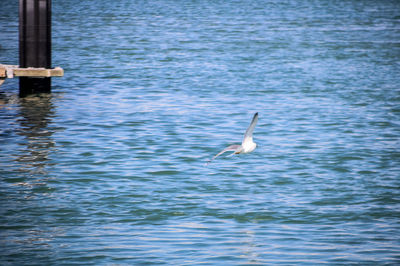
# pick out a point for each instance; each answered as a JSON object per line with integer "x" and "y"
{"x": 247, "y": 144}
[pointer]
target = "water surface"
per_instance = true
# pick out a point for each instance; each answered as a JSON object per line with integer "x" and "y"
{"x": 109, "y": 167}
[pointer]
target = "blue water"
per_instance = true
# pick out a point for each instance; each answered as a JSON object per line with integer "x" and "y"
{"x": 109, "y": 169}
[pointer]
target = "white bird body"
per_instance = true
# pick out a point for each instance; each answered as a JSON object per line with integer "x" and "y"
{"x": 248, "y": 145}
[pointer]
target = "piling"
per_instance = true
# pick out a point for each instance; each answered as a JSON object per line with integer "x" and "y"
{"x": 34, "y": 43}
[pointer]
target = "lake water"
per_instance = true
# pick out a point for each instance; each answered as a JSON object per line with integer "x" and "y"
{"x": 109, "y": 169}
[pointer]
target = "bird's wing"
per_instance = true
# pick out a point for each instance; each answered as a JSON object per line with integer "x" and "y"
{"x": 250, "y": 129}
{"x": 229, "y": 148}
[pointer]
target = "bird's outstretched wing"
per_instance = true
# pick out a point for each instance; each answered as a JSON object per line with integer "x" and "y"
{"x": 234, "y": 148}
{"x": 250, "y": 129}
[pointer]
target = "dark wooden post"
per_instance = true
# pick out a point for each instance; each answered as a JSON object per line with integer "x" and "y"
{"x": 34, "y": 43}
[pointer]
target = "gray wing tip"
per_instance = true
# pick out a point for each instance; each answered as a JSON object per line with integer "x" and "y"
{"x": 255, "y": 116}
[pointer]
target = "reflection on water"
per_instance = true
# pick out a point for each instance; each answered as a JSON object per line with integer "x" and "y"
{"x": 26, "y": 131}
{"x": 24, "y": 190}
{"x": 35, "y": 114}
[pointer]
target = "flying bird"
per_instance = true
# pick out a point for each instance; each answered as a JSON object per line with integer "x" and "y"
{"x": 247, "y": 144}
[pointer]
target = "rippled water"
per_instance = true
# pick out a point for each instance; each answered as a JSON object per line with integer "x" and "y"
{"x": 109, "y": 167}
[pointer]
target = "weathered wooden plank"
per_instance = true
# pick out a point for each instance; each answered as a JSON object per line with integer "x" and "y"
{"x": 10, "y": 71}
{"x": 38, "y": 72}
{"x": 2, "y": 72}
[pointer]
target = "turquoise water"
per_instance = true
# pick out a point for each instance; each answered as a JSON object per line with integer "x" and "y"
{"x": 109, "y": 169}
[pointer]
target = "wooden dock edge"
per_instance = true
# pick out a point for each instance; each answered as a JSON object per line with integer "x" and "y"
{"x": 11, "y": 71}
